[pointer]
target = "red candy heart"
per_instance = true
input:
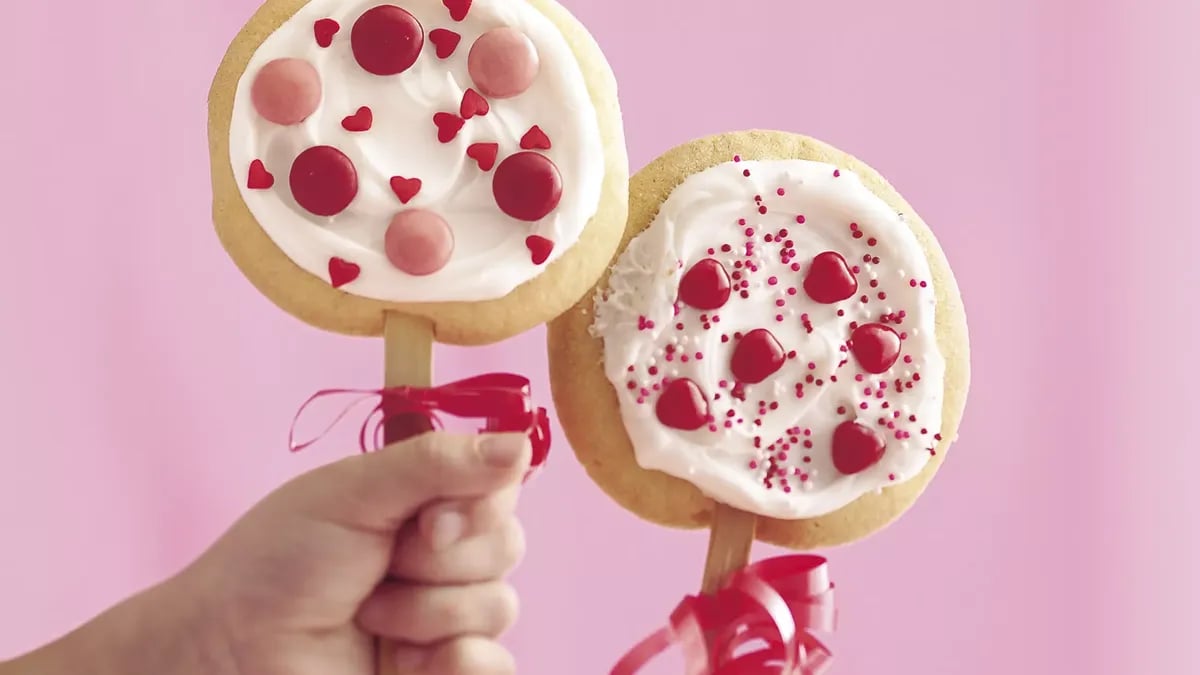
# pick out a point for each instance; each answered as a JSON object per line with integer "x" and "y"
{"x": 448, "y": 126}
{"x": 706, "y": 285}
{"x": 359, "y": 121}
{"x": 484, "y": 154}
{"x": 259, "y": 178}
{"x": 539, "y": 248}
{"x": 458, "y": 8}
{"x": 856, "y": 448}
{"x": 444, "y": 42}
{"x": 875, "y": 346}
{"x": 682, "y": 405}
{"x": 473, "y": 105}
{"x": 324, "y": 30}
{"x": 405, "y": 188}
{"x": 535, "y": 139}
{"x": 829, "y": 279}
{"x": 757, "y": 356}
{"x": 342, "y": 272}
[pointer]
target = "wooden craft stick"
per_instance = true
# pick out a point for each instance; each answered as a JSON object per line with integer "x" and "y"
{"x": 729, "y": 543}
{"x": 408, "y": 361}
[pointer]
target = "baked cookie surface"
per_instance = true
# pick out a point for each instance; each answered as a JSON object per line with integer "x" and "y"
{"x": 779, "y": 331}
{"x": 461, "y": 161}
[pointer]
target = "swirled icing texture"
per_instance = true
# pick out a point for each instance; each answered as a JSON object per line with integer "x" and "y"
{"x": 771, "y": 447}
{"x": 490, "y": 256}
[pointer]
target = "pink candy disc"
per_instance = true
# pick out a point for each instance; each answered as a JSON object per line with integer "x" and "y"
{"x": 503, "y": 63}
{"x": 286, "y": 91}
{"x": 418, "y": 242}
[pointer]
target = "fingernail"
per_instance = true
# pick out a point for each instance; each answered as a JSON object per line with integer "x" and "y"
{"x": 447, "y": 528}
{"x": 502, "y": 450}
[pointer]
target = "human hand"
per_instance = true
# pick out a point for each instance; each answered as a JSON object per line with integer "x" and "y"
{"x": 409, "y": 544}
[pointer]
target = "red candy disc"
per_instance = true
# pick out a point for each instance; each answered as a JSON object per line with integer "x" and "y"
{"x": 527, "y": 186}
{"x": 386, "y": 40}
{"x": 856, "y": 448}
{"x": 323, "y": 180}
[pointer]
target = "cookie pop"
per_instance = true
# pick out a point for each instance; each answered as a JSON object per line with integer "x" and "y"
{"x": 778, "y": 352}
{"x": 427, "y": 171}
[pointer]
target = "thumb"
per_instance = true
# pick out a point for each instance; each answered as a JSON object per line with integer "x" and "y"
{"x": 381, "y": 490}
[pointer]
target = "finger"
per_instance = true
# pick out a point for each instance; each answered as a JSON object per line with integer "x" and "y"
{"x": 381, "y": 490}
{"x": 461, "y": 656}
{"x": 444, "y": 523}
{"x": 423, "y": 615}
{"x": 483, "y": 557}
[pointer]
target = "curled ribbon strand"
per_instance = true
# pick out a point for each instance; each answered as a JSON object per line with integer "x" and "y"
{"x": 759, "y": 623}
{"x": 502, "y": 400}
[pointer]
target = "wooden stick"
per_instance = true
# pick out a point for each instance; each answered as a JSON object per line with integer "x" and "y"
{"x": 407, "y": 360}
{"x": 729, "y": 544}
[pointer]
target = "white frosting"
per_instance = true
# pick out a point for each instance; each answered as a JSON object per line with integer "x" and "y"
{"x": 490, "y": 257}
{"x": 703, "y": 213}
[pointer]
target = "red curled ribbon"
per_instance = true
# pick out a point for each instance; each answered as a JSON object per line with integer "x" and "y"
{"x": 759, "y": 623}
{"x": 501, "y": 399}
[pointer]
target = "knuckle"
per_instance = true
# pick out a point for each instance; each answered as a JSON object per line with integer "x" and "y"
{"x": 506, "y": 607}
{"x": 511, "y": 545}
{"x": 474, "y": 656}
{"x": 425, "y": 448}
{"x": 452, "y": 613}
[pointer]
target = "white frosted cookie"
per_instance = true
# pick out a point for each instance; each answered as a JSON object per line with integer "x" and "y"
{"x": 459, "y": 160}
{"x": 779, "y": 333}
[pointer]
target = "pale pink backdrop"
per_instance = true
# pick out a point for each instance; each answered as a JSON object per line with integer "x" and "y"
{"x": 1053, "y": 145}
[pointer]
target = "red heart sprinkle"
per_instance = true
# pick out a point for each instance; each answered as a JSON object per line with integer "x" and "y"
{"x": 359, "y": 121}
{"x": 682, "y": 405}
{"x": 342, "y": 272}
{"x": 260, "y": 178}
{"x": 458, "y": 8}
{"x": 539, "y": 248}
{"x": 444, "y": 42}
{"x": 405, "y": 188}
{"x": 875, "y": 346}
{"x": 473, "y": 104}
{"x": 535, "y": 139}
{"x": 757, "y": 356}
{"x": 829, "y": 279}
{"x": 706, "y": 285}
{"x": 324, "y": 30}
{"x": 484, "y": 154}
{"x": 448, "y": 125}
{"x": 856, "y": 448}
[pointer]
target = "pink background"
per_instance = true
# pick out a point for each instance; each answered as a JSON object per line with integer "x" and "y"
{"x": 1053, "y": 145}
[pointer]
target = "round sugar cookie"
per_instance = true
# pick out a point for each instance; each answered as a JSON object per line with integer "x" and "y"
{"x": 779, "y": 332}
{"x": 458, "y": 160}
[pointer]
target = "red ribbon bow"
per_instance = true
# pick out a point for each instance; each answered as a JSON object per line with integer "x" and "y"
{"x": 757, "y": 624}
{"x": 501, "y": 399}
